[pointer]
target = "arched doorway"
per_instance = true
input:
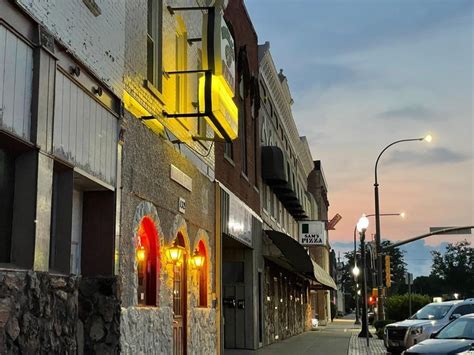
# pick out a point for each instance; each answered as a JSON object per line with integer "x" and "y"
{"x": 180, "y": 300}
{"x": 148, "y": 265}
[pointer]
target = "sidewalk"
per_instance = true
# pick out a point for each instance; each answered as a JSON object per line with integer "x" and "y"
{"x": 359, "y": 346}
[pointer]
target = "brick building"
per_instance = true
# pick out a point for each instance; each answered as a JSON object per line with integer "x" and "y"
{"x": 238, "y": 202}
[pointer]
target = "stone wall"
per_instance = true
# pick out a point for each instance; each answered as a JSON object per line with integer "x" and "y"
{"x": 285, "y": 304}
{"x": 99, "y": 316}
{"x": 38, "y": 313}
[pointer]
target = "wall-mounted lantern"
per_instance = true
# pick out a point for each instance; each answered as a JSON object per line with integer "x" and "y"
{"x": 198, "y": 259}
{"x": 141, "y": 253}
{"x": 174, "y": 252}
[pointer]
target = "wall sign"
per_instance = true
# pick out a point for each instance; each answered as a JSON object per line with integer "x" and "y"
{"x": 312, "y": 233}
{"x": 182, "y": 205}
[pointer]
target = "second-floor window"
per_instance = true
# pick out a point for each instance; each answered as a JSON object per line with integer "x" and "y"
{"x": 154, "y": 43}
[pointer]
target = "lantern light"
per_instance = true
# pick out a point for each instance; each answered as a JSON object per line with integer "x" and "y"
{"x": 174, "y": 252}
{"x": 141, "y": 254}
{"x": 198, "y": 259}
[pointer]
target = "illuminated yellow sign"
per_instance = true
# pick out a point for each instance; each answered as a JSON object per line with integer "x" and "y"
{"x": 216, "y": 91}
{"x": 223, "y": 115}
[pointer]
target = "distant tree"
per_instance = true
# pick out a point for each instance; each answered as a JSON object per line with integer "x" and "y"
{"x": 429, "y": 285}
{"x": 455, "y": 268}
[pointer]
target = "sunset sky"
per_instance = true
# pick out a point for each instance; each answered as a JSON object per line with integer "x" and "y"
{"x": 366, "y": 73}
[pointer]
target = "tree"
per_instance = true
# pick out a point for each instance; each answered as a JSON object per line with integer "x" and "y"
{"x": 428, "y": 285}
{"x": 455, "y": 268}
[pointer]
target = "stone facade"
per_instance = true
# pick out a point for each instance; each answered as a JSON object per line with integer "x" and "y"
{"x": 99, "y": 316}
{"x": 148, "y": 191}
{"x": 38, "y": 313}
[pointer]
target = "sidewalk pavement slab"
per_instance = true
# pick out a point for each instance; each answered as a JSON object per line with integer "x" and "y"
{"x": 358, "y": 346}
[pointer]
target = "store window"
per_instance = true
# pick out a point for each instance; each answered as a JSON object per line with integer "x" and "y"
{"x": 148, "y": 263}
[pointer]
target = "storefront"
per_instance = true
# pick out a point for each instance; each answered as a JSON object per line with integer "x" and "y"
{"x": 290, "y": 278}
{"x": 241, "y": 281}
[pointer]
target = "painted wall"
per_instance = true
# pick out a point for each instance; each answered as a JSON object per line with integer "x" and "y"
{"x": 98, "y": 41}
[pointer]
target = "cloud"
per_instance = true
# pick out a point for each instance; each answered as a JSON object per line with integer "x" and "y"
{"x": 437, "y": 155}
{"x": 412, "y": 112}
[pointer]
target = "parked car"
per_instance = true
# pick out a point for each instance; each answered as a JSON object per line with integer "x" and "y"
{"x": 429, "y": 319}
{"x": 456, "y": 337}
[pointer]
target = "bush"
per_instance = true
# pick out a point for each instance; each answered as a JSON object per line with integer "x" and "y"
{"x": 396, "y": 307}
{"x": 380, "y": 326}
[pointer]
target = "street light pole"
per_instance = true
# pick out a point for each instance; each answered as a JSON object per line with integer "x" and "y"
{"x": 401, "y": 214}
{"x": 361, "y": 228}
{"x": 380, "y": 310}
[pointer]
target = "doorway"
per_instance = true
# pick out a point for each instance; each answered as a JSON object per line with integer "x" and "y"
{"x": 180, "y": 301}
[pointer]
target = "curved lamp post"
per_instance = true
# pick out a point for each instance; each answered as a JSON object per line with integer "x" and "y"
{"x": 356, "y": 270}
{"x": 380, "y": 311}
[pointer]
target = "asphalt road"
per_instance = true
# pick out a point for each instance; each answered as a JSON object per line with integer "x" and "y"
{"x": 332, "y": 339}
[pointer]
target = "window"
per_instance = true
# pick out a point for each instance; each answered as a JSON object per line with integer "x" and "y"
{"x": 464, "y": 309}
{"x": 243, "y": 126}
{"x": 229, "y": 150}
{"x": 203, "y": 272}
{"x": 154, "y": 43}
{"x": 76, "y": 226}
{"x": 7, "y": 187}
{"x": 18, "y": 167}
{"x": 148, "y": 265}
{"x": 201, "y": 122}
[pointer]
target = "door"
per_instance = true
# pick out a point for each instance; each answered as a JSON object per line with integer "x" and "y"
{"x": 179, "y": 308}
{"x": 234, "y": 305}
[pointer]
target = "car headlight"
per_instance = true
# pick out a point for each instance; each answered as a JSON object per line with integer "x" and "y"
{"x": 416, "y": 330}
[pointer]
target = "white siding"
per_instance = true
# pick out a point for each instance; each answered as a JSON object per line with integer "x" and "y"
{"x": 85, "y": 133}
{"x": 16, "y": 77}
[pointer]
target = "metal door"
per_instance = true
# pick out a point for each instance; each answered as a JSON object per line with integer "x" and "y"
{"x": 179, "y": 309}
{"x": 234, "y": 316}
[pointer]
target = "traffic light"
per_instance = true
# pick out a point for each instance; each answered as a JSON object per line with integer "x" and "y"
{"x": 388, "y": 279}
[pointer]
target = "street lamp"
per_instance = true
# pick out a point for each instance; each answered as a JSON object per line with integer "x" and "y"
{"x": 401, "y": 214}
{"x": 361, "y": 228}
{"x": 380, "y": 313}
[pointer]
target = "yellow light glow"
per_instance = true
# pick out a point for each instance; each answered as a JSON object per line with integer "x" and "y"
{"x": 198, "y": 260}
{"x": 136, "y": 109}
{"x": 403, "y": 214}
{"x": 428, "y": 138}
{"x": 174, "y": 253}
{"x": 223, "y": 106}
{"x": 141, "y": 254}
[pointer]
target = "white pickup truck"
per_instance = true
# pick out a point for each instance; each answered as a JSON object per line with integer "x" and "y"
{"x": 432, "y": 317}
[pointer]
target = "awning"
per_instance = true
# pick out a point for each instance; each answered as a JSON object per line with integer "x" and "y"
{"x": 293, "y": 256}
{"x": 325, "y": 281}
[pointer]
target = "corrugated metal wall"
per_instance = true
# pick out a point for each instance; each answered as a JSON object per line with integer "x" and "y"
{"x": 16, "y": 77}
{"x": 85, "y": 133}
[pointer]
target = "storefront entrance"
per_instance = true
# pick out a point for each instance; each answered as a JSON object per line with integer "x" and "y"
{"x": 180, "y": 302}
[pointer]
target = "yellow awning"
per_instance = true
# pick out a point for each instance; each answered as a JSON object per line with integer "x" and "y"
{"x": 322, "y": 277}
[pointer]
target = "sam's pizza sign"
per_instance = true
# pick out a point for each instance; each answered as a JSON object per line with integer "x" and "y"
{"x": 312, "y": 233}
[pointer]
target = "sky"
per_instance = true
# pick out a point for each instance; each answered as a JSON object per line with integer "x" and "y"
{"x": 364, "y": 74}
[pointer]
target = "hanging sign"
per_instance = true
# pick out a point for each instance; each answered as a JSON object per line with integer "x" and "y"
{"x": 217, "y": 88}
{"x": 312, "y": 233}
